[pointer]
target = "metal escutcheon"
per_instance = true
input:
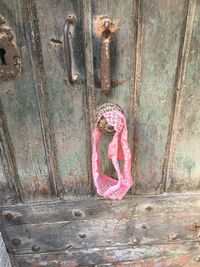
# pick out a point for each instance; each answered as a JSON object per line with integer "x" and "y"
{"x": 102, "y": 124}
{"x": 10, "y": 61}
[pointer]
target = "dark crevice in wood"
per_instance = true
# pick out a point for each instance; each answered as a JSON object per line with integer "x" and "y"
{"x": 136, "y": 86}
{"x": 55, "y": 41}
{"x": 8, "y": 160}
{"x": 41, "y": 91}
{"x": 178, "y": 87}
{"x": 89, "y": 96}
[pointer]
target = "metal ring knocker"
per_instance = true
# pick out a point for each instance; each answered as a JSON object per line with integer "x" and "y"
{"x": 10, "y": 61}
{"x": 102, "y": 124}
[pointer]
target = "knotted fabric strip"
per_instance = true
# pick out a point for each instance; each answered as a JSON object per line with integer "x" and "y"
{"x": 118, "y": 149}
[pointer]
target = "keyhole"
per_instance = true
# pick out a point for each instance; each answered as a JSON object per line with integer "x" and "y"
{"x": 2, "y": 57}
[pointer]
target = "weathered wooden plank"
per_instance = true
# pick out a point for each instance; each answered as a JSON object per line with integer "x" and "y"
{"x": 37, "y": 64}
{"x": 122, "y": 64}
{"x": 136, "y": 207}
{"x": 97, "y": 233}
{"x": 10, "y": 186}
{"x": 160, "y": 29}
{"x": 20, "y": 107}
{"x": 147, "y": 223}
{"x": 179, "y": 255}
{"x": 66, "y": 105}
{"x": 184, "y": 162}
{"x": 89, "y": 75}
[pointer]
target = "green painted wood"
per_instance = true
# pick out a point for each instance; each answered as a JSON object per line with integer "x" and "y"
{"x": 47, "y": 122}
{"x": 160, "y": 32}
{"x": 20, "y": 107}
{"x": 10, "y": 186}
{"x": 122, "y": 65}
{"x": 65, "y": 103}
{"x": 184, "y": 164}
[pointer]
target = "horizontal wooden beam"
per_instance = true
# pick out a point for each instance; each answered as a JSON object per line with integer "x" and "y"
{"x": 157, "y": 255}
{"x": 94, "y": 208}
{"x": 59, "y": 226}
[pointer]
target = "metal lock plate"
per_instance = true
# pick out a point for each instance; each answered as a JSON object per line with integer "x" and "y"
{"x": 10, "y": 61}
{"x": 102, "y": 124}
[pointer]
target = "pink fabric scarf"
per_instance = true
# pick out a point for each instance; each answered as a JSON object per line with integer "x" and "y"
{"x": 118, "y": 149}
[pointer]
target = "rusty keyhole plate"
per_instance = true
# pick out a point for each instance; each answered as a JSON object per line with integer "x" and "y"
{"x": 102, "y": 124}
{"x": 10, "y": 60}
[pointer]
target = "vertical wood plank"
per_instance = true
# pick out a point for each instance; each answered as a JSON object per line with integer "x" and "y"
{"x": 161, "y": 25}
{"x": 122, "y": 65}
{"x": 89, "y": 73}
{"x": 20, "y": 107}
{"x": 65, "y": 103}
{"x": 184, "y": 164}
{"x": 10, "y": 186}
{"x": 37, "y": 63}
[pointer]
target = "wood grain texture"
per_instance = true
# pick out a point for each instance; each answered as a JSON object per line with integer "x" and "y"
{"x": 160, "y": 29}
{"x": 20, "y": 107}
{"x": 162, "y": 230}
{"x": 10, "y": 186}
{"x": 65, "y": 103}
{"x": 184, "y": 164}
{"x": 89, "y": 71}
{"x": 154, "y": 220}
{"x": 122, "y": 65}
{"x": 136, "y": 207}
{"x": 179, "y": 255}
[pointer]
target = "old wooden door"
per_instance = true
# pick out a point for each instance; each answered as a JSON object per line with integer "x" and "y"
{"x": 50, "y": 214}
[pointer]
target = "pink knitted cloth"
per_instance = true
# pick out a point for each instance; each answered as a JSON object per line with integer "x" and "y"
{"x": 118, "y": 149}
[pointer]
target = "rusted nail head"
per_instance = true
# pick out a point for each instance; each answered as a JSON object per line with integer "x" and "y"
{"x": 78, "y": 213}
{"x": 35, "y": 248}
{"x": 135, "y": 241}
{"x": 173, "y": 236}
{"x": 148, "y": 208}
{"x": 144, "y": 226}
{"x": 9, "y": 216}
{"x": 82, "y": 235}
{"x": 16, "y": 242}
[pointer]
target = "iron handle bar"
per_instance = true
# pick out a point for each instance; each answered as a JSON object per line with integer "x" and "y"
{"x": 67, "y": 50}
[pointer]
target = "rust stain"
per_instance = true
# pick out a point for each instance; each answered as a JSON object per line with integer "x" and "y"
{"x": 99, "y": 27}
{"x": 36, "y": 187}
{"x": 193, "y": 226}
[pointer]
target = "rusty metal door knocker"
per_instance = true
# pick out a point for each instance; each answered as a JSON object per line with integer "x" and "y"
{"x": 10, "y": 60}
{"x": 102, "y": 124}
{"x": 105, "y": 28}
{"x": 111, "y": 120}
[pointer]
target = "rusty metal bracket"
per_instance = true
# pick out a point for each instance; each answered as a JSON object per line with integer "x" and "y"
{"x": 10, "y": 60}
